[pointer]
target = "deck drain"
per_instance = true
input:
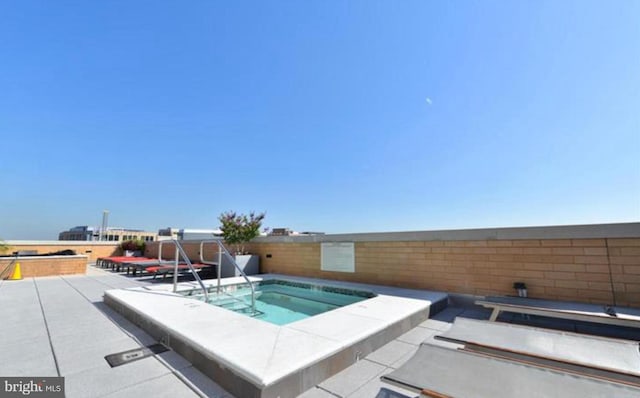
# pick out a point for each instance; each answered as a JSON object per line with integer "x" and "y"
{"x": 124, "y": 357}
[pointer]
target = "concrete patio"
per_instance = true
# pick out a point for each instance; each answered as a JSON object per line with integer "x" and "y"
{"x": 59, "y": 326}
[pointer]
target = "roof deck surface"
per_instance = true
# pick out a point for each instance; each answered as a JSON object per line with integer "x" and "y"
{"x": 59, "y": 326}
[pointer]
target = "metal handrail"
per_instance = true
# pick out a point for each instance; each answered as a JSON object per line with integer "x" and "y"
{"x": 223, "y": 251}
{"x": 160, "y": 243}
{"x": 175, "y": 260}
{"x": 202, "y": 260}
{"x": 180, "y": 252}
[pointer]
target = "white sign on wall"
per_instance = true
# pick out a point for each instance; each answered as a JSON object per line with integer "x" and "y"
{"x": 338, "y": 257}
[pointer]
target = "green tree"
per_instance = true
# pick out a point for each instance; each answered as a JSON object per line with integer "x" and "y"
{"x": 238, "y": 229}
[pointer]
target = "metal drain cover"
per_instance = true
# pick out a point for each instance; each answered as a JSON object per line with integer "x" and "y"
{"x": 122, "y": 358}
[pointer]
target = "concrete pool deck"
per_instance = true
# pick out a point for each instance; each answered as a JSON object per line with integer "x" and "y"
{"x": 251, "y": 357}
{"x": 60, "y": 326}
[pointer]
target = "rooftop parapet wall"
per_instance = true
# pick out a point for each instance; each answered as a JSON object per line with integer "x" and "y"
{"x": 47, "y": 265}
{"x": 92, "y": 250}
{"x": 590, "y": 263}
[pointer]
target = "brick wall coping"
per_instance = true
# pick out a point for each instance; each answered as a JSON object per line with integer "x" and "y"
{"x": 590, "y": 231}
{"x": 32, "y": 258}
{"x": 59, "y": 243}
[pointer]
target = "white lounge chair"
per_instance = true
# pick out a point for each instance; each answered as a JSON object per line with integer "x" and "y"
{"x": 443, "y": 372}
{"x": 500, "y": 360}
{"x": 621, "y": 316}
{"x": 613, "y": 355}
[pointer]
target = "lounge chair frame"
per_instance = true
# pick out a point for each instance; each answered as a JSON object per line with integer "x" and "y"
{"x": 564, "y": 310}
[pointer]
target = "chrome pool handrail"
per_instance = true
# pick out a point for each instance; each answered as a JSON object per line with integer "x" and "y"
{"x": 223, "y": 251}
{"x": 180, "y": 252}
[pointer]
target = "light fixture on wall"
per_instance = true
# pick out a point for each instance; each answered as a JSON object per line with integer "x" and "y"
{"x": 521, "y": 288}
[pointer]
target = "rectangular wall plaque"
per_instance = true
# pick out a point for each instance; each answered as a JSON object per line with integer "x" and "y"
{"x": 338, "y": 257}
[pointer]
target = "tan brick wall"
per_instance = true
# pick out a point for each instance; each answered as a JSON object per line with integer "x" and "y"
{"x": 46, "y": 266}
{"x": 624, "y": 256}
{"x": 559, "y": 269}
{"x": 92, "y": 251}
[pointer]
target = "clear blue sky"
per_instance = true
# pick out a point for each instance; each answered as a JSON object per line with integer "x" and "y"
{"x": 335, "y": 116}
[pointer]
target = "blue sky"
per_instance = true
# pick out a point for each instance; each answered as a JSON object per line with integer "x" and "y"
{"x": 338, "y": 116}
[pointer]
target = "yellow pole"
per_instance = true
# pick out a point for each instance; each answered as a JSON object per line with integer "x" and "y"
{"x": 16, "y": 274}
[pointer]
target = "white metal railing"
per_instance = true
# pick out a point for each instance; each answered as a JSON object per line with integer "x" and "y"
{"x": 222, "y": 251}
{"x": 180, "y": 252}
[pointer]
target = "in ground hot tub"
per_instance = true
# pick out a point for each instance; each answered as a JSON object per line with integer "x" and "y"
{"x": 283, "y": 357}
{"x": 281, "y": 301}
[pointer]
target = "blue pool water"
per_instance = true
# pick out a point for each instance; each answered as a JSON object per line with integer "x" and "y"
{"x": 281, "y": 302}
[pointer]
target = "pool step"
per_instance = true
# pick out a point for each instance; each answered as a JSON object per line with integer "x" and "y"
{"x": 235, "y": 303}
{"x": 222, "y": 301}
{"x": 247, "y": 311}
{"x": 235, "y": 306}
{"x": 240, "y": 307}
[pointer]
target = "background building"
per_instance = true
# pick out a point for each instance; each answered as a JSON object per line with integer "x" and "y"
{"x": 289, "y": 232}
{"x": 88, "y": 233}
{"x": 187, "y": 233}
{"x": 79, "y": 233}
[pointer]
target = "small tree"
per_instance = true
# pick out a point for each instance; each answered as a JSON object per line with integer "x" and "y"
{"x": 238, "y": 229}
